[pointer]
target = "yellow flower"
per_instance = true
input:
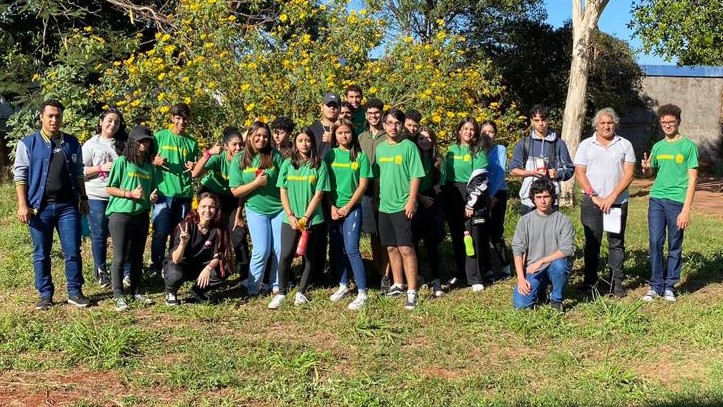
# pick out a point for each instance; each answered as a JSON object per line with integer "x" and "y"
{"x": 161, "y": 76}
{"x": 283, "y": 18}
{"x": 88, "y": 29}
{"x": 250, "y": 107}
{"x": 164, "y": 109}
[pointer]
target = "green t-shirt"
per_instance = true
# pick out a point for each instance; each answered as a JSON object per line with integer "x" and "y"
{"x": 359, "y": 118}
{"x": 216, "y": 179}
{"x": 264, "y": 200}
{"x": 396, "y": 165}
{"x": 673, "y": 160}
{"x": 459, "y": 163}
{"x": 344, "y": 175}
{"x": 431, "y": 175}
{"x": 126, "y": 175}
{"x": 301, "y": 185}
{"x": 177, "y": 150}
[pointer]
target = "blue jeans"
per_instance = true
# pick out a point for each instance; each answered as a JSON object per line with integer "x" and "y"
{"x": 662, "y": 215}
{"x": 344, "y": 241}
{"x": 167, "y": 214}
{"x": 556, "y": 274}
{"x": 265, "y": 234}
{"x": 98, "y": 223}
{"x": 64, "y": 217}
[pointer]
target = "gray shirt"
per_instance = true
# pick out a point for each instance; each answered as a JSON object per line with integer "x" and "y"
{"x": 604, "y": 164}
{"x": 98, "y": 151}
{"x": 540, "y": 235}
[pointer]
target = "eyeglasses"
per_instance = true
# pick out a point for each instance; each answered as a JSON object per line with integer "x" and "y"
{"x": 396, "y": 124}
{"x": 669, "y": 123}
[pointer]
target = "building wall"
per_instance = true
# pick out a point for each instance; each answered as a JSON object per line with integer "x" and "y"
{"x": 698, "y": 92}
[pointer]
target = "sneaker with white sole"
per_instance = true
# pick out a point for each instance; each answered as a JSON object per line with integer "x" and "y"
{"x": 142, "y": 299}
{"x": 172, "y": 299}
{"x": 340, "y": 293}
{"x": 79, "y": 300}
{"x": 411, "y": 300}
{"x": 477, "y": 288}
{"x": 277, "y": 301}
{"x": 395, "y": 290}
{"x": 300, "y": 299}
{"x": 650, "y": 296}
{"x": 121, "y": 304}
{"x": 358, "y": 302}
{"x": 669, "y": 295}
{"x": 437, "y": 288}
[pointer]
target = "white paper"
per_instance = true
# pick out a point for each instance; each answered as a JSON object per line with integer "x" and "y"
{"x": 612, "y": 221}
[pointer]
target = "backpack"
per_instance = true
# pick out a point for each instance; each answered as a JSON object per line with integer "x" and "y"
{"x": 528, "y": 143}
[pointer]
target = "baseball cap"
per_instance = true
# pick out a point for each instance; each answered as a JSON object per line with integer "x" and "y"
{"x": 331, "y": 97}
{"x": 140, "y": 133}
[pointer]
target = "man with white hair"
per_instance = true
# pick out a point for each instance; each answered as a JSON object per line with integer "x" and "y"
{"x": 604, "y": 168}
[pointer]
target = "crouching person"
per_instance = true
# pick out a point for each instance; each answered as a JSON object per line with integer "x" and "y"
{"x": 543, "y": 242}
{"x": 201, "y": 252}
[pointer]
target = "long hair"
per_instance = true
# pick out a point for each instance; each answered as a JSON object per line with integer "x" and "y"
{"x": 297, "y": 160}
{"x": 355, "y": 147}
{"x": 266, "y": 152}
{"x": 120, "y": 138}
{"x": 432, "y": 152}
{"x": 223, "y": 240}
{"x": 474, "y": 145}
{"x": 130, "y": 152}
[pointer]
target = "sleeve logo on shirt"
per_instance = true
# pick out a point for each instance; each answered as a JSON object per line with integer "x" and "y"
{"x": 355, "y": 166}
{"x": 312, "y": 179}
{"x": 679, "y": 158}
{"x": 467, "y": 157}
{"x": 398, "y": 160}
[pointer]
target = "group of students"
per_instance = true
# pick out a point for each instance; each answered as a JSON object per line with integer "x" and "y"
{"x": 293, "y": 192}
{"x": 290, "y": 192}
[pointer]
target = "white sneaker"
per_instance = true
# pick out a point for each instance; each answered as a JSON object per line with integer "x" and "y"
{"x": 277, "y": 301}
{"x": 142, "y": 299}
{"x": 477, "y": 288}
{"x": 300, "y": 299}
{"x": 669, "y": 295}
{"x": 411, "y": 300}
{"x": 437, "y": 288}
{"x": 650, "y": 296}
{"x": 127, "y": 282}
{"x": 358, "y": 302}
{"x": 340, "y": 293}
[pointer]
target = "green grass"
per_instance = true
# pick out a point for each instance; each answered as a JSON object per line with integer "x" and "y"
{"x": 464, "y": 349}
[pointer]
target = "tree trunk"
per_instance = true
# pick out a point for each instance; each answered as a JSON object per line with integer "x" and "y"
{"x": 585, "y": 15}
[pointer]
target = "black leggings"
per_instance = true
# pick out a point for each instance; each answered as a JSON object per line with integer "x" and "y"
{"x": 428, "y": 225}
{"x": 129, "y": 234}
{"x": 470, "y": 269}
{"x": 175, "y": 275}
{"x": 495, "y": 230}
{"x": 289, "y": 241}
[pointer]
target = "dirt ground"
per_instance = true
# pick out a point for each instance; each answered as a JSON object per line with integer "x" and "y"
{"x": 708, "y": 194}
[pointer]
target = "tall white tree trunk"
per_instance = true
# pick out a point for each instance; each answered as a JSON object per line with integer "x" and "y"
{"x": 585, "y": 15}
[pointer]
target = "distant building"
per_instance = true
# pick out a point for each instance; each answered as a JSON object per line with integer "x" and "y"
{"x": 698, "y": 90}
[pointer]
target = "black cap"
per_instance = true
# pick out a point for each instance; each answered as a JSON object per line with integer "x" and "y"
{"x": 140, "y": 133}
{"x": 331, "y": 98}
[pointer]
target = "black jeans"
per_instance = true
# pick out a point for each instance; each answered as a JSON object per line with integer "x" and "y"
{"x": 495, "y": 230}
{"x": 129, "y": 234}
{"x": 469, "y": 269}
{"x": 289, "y": 241}
{"x": 175, "y": 275}
{"x": 592, "y": 221}
{"x": 428, "y": 226}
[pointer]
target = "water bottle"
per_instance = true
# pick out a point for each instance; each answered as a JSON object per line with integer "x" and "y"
{"x": 468, "y": 244}
{"x": 301, "y": 247}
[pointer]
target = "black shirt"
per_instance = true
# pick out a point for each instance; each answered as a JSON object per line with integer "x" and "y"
{"x": 318, "y": 129}
{"x": 58, "y": 186}
{"x": 201, "y": 247}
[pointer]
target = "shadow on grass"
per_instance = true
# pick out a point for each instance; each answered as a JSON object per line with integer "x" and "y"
{"x": 705, "y": 269}
{"x": 714, "y": 401}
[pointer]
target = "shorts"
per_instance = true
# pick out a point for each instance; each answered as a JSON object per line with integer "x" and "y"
{"x": 395, "y": 229}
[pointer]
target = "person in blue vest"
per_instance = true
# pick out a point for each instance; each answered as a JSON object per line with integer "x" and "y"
{"x": 49, "y": 184}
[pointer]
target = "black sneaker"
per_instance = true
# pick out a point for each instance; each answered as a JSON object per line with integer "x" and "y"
{"x": 171, "y": 300}
{"x": 80, "y": 300}
{"x": 44, "y": 304}
{"x": 395, "y": 291}
{"x": 385, "y": 284}
{"x": 557, "y": 306}
{"x": 103, "y": 280}
{"x": 198, "y": 294}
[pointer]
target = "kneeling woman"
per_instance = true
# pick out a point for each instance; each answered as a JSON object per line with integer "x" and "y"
{"x": 201, "y": 251}
{"x": 302, "y": 180}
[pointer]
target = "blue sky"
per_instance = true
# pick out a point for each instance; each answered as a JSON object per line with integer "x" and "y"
{"x": 614, "y": 21}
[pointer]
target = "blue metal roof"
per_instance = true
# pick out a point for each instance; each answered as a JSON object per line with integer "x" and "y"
{"x": 683, "y": 71}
